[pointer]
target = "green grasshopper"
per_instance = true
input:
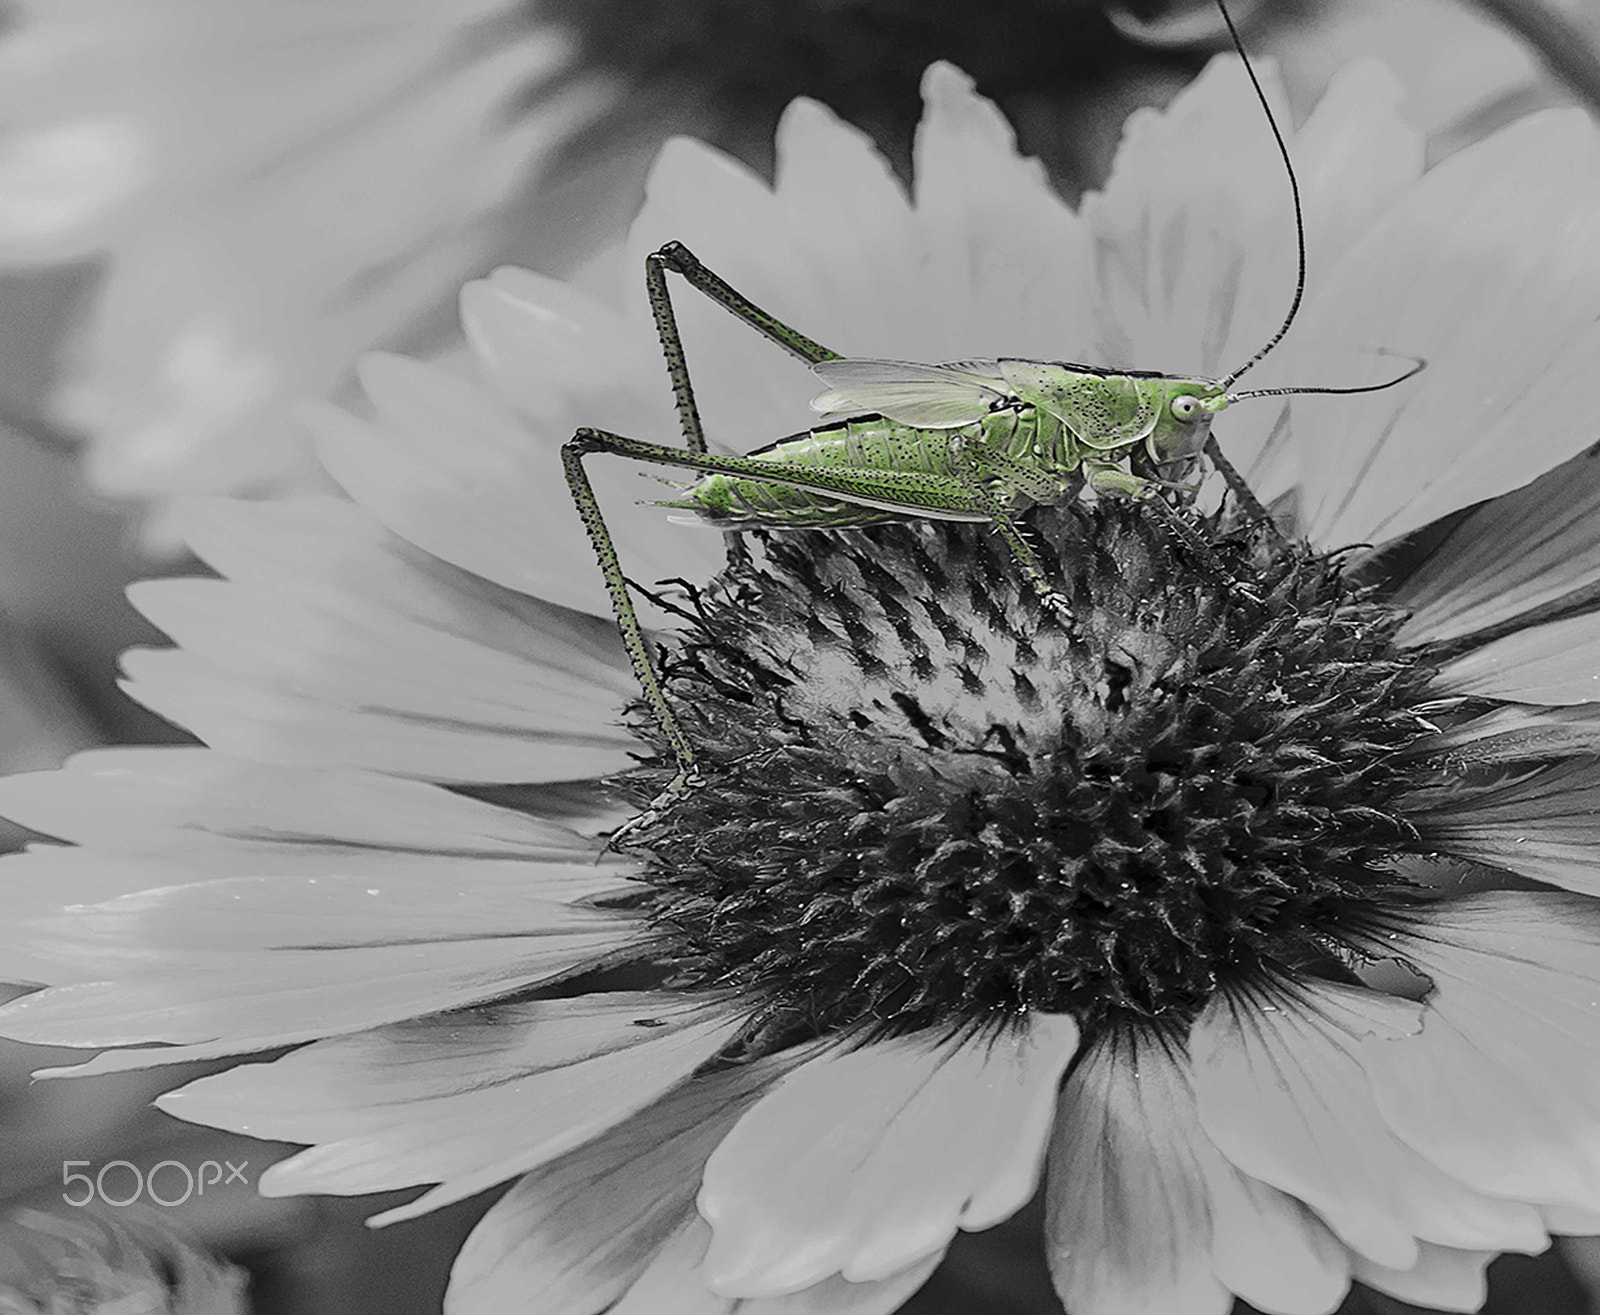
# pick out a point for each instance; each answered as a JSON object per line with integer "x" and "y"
{"x": 963, "y": 441}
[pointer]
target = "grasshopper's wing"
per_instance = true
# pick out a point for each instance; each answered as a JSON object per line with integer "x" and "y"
{"x": 927, "y": 396}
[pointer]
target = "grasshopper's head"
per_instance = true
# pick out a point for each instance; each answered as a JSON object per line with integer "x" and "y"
{"x": 1183, "y": 420}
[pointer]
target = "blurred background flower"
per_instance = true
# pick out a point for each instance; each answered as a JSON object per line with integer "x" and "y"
{"x": 101, "y": 1263}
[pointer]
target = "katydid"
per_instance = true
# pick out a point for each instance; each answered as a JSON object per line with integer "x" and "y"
{"x": 976, "y": 440}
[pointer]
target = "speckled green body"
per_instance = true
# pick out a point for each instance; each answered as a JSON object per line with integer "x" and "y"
{"x": 1045, "y": 430}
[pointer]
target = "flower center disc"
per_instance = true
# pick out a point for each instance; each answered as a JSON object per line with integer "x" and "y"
{"x": 926, "y": 802}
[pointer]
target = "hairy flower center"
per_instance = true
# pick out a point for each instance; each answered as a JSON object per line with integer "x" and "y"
{"x": 928, "y": 803}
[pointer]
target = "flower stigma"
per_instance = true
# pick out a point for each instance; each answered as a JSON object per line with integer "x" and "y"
{"x": 929, "y": 803}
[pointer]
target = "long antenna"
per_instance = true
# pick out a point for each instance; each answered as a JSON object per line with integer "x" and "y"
{"x": 1418, "y": 365}
{"x": 1299, "y": 222}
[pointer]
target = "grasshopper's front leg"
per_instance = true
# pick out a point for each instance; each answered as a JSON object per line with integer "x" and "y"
{"x": 972, "y": 478}
{"x": 633, "y": 639}
{"x": 1114, "y": 481}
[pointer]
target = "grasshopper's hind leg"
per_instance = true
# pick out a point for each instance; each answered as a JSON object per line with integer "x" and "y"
{"x": 678, "y": 258}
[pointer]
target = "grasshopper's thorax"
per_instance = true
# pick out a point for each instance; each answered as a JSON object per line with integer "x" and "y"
{"x": 1109, "y": 414}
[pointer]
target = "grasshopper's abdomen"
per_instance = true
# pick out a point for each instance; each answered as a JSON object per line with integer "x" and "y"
{"x": 859, "y": 448}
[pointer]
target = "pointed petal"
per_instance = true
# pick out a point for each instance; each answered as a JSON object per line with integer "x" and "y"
{"x": 284, "y": 996}
{"x": 150, "y": 800}
{"x": 856, "y": 230}
{"x": 278, "y": 725}
{"x": 1192, "y": 188}
{"x": 583, "y": 1229}
{"x": 907, "y": 1141}
{"x": 1496, "y": 1087}
{"x": 1010, "y": 257}
{"x": 1515, "y": 553}
{"x": 1354, "y": 156}
{"x": 1283, "y": 1094}
{"x": 1558, "y": 662}
{"x": 1127, "y": 1221}
{"x": 464, "y": 1100}
{"x": 1543, "y": 823}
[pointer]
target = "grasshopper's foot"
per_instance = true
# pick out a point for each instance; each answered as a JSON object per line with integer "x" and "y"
{"x": 1055, "y": 604}
{"x": 1239, "y": 589}
{"x": 688, "y": 778}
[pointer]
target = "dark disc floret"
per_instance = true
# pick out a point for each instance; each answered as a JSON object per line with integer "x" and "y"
{"x": 929, "y": 802}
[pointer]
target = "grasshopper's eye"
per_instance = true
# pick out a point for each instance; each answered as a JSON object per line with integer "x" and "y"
{"x": 1185, "y": 408}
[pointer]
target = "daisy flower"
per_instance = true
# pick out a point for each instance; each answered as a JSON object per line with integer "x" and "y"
{"x": 1250, "y": 918}
{"x": 275, "y": 189}
{"x": 123, "y": 1266}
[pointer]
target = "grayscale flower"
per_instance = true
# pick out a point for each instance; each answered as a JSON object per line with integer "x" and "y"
{"x": 1251, "y": 913}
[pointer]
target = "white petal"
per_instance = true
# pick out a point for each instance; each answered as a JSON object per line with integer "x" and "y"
{"x": 1354, "y": 156}
{"x": 279, "y": 997}
{"x": 1127, "y": 1223}
{"x": 1009, "y": 256}
{"x": 674, "y": 1284}
{"x": 467, "y": 503}
{"x": 1266, "y": 1246}
{"x": 1517, "y": 552}
{"x": 858, "y": 236}
{"x": 750, "y": 392}
{"x": 582, "y": 1230}
{"x": 1496, "y": 1089}
{"x": 1283, "y": 1094}
{"x": 1443, "y": 1278}
{"x": 864, "y": 1162}
{"x": 1190, "y": 191}
{"x": 1554, "y": 663}
{"x": 247, "y": 720}
{"x": 1482, "y": 269}
{"x": 1542, "y": 823}
{"x": 155, "y": 800}
{"x": 60, "y": 182}
{"x": 464, "y": 1100}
